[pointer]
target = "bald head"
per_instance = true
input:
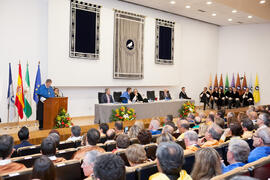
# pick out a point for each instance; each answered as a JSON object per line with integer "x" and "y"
{"x": 110, "y": 134}
{"x": 168, "y": 129}
{"x": 253, "y": 115}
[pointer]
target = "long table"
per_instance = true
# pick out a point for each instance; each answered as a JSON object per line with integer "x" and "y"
{"x": 143, "y": 110}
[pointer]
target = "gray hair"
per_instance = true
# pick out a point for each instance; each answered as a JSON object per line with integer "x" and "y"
{"x": 191, "y": 136}
{"x": 55, "y": 137}
{"x": 90, "y": 156}
{"x": 240, "y": 150}
{"x": 76, "y": 131}
{"x": 266, "y": 119}
{"x": 230, "y": 114}
{"x": 264, "y": 134}
{"x": 167, "y": 129}
{"x": 215, "y": 131}
{"x": 155, "y": 124}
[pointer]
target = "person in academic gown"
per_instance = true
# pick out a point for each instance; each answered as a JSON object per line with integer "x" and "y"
{"x": 214, "y": 97}
{"x": 205, "y": 96}
{"x": 248, "y": 98}
{"x": 135, "y": 96}
{"x": 236, "y": 98}
{"x": 45, "y": 91}
{"x": 165, "y": 95}
{"x": 229, "y": 97}
{"x": 107, "y": 97}
{"x": 221, "y": 98}
{"x": 183, "y": 94}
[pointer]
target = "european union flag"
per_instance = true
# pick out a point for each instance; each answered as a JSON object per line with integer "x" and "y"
{"x": 37, "y": 85}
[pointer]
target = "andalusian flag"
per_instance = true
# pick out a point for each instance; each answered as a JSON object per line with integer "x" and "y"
{"x": 221, "y": 82}
{"x": 19, "y": 102}
{"x": 27, "y": 95}
{"x": 256, "y": 92}
{"x": 216, "y": 82}
{"x": 227, "y": 86}
{"x": 210, "y": 83}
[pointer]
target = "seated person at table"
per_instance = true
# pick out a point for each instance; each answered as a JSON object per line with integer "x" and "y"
{"x": 211, "y": 137}
{"x": 205, "y": 97}
{"x": 165, "y": 95}
{"x": 170, "y": 160}
{"x": 191, "y": 142}
{"x": 125, "y": 97}
{"x": 261, "y": 142}
{"x": 48, "y": 148}
{"x": 237, "y": 154}
{"x": 154, "y": 126}
{"x": 75, "y": 134}
{"x": 135, "y": 96}
{"x": 92, "y": 139}
{"x": 23, "y": 135}
{"x": 248, "y": 98}
{"x": 183, "y": 94}
{"x": 136, "y": 155}
{"x": 43, "y": 169}
{"x": 107, "y": 97}
{"x": 122, "y": 142}
{"x": 88, "y": 162}
{"x": 6, "y": 150}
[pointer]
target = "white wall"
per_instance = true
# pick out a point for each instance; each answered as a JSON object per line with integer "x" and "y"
{"x": 246, "y": 49}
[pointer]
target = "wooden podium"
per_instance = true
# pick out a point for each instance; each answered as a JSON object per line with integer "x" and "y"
{"x": 51, "y": 109}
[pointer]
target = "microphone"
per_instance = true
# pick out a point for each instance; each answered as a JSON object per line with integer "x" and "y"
{"x": 61, "y": 92}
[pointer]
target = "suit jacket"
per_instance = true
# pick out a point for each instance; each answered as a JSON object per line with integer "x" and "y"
{"x": 162, "y": 95}
{"x": 23, "y": 144}
{"x": 105, "y": 100}
{"x": 139, "y": 97}
{"x": 183, "y": 96}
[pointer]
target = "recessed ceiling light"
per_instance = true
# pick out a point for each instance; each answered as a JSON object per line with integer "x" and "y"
{"x": 214, "y": 14}
{"x": 234, "y": 11}
{"x": 172, "y": 2}
{"x": 262, "y": 1}
{"x": 209, "y": 2}
{"x": 230, "y": 19}
{"x": 250, "y": 17}
{"x": 188, "y": 6}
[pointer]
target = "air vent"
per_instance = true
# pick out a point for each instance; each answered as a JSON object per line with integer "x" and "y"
{"x": 200, "y": 10}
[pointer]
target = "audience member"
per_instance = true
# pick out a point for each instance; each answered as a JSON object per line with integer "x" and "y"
{"x": 202, "y": 129}
{"x": 220, "y": 114}
{"x": 263, "y": 120}
{"x": 234, "y": 131}
{"x": 119, "y": 127}
{"x": 165, "y": 137}
{"x": 110, "y": 135}
{"x": 154, "y": 126}
{"x": 83, "y": 143}
{"x": 212, "y": 136}
{"x": 54, "y": 131}
{"x": 55, "y": 138}
{"x": 136, "y": 155}
{"x": 122, "y": 142}
{"x": 220, "y": 121}
{"x": 261, "y": 142}
{"x": 6, "y": 150}
{"x": 92, "y": 139}
{"x": 248, "y": 128}
{"x": 241, "y": 116}
{"x": 134, "y": 131}
{"x": 168, "y": 118}
{"x": 191, "y": 142}
{"x": 198, "y": 121}
{"x": 103, "y": 128}
{"x": 75, "y": 134}
{"x": 88, "y": 162}
{"x": 167, "y": 129}
{"x": 109, "y": 167}
{"x": 183, "y": 126}
{"x": 23, "y": 135}
{"x": 191, "y": 118}
{"x": 144, "y": 137}
{"x": 210, "y": 119}
{"x": 253, "y": 117}
{"x": 207, "y": 164}
{"x": 170, "y": 159}
{"x": 139, "y": 123}
{"x": 48, "y": 148}
{"x": 43, "y": 169}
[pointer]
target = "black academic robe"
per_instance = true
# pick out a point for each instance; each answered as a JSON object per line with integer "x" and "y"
{"x": 139, "y": 97}
{"x": 205, "y": 96}
{"x": 246, "y": 99}
{"x": 183, "y": 95}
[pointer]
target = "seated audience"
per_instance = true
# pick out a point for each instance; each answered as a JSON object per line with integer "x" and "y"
{"x": 248, "y": 128}
{"x": 263, "y": 120}
{"x": 168, "y": 118}
{"x": 135, "y": 96}
{"x": 109, "y": 167}
{"x": 110, "y": 135}
{"x": 55, "y": 138}
{"x": 165, "y": 137}
{"x": 183, "y": 126}
{"x": 220, "y": 114}
{"x": 171, "y": 123}
{"x": 219, "y": 121}
{"x": 88, "y": 162}
{"x": 48, "y": 148}
{"x": 43, "y": 169}
{"x": 122, "y": 142}
{"x": 191, "y": 142}
{"x": 134, "y": 131}
{"x": 191, "y": 118}
{"x": 6, "y": 150}
{"x": 231, "y": 120}
{"x": 92, "y": 139}
{"x": 241, "y": 116}
{"x": 118, "y": 127}
{"x": 144, "y": 137}
{"x": 167, "y": 129}
{"x": 261, "y": 142}
{"x": 170, "y": 159}
{"x": 154, "y": 126}
{"x": 207, "y": 164}
{"x": 212, "y": 136}
{"x": 23, "y": 135}
{"x": 234, "y": 131}
{"x": 237, "y": 154}
{"x": 83, "y": 143}
{"x": 165, "y": 95}
{"x": 125, "y": 97}
{"x": 198, "y": 121}
{"x": 75, "y": 134}
{"x": 136, "y": 155}
{"x": 107, "y": 97}
{"x": 202, "y": 129}
{"x": 103, "y": 128}
{"x": 54, "y": 131}
{"x": 139, "y": 123}
{"x": 210, "y": 118}
{"x": 253, "y": 116}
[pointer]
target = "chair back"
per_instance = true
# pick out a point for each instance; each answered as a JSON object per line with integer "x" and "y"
{"x": 150, "y": 95}
{"x": 69, "y": 170}
{"x": 67, "y": 153}
{"x": 189, "y": 162}
{"x": 66, "y": 145}
{"x": 145, "y": 171}
{"x": 29, "y": 150}
{"x": 28, "y": 161}
{"x": 100, "y": 94}
{"x": 25, "y": 174}
{"x": 116, "y": 96}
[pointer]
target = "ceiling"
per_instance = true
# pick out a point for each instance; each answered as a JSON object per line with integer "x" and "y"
{"x": 248, "y": 11}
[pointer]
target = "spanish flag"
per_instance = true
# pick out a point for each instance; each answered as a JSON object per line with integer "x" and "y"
{"x": 256, "y": 92}
{"x": 19, "y": 102}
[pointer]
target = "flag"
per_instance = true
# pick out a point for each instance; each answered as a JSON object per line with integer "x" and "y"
{"x": 216, "y": 82}
{"x": 19, "y": 102}
{"x": 250, "y": 86}
{"x": 210, "y": 83}
{"x": 227, "y": 84}
{"x": 233, "y": 81}
{"x": 27, "y": 95}
{"x": 238, "y": 85}
{"x": 256, "y": 92}
{"x": 10, "y": 98}
{"x": 244, "y": 83}
{"x": 221, "y": 82}
{"x": 37, "y": 84}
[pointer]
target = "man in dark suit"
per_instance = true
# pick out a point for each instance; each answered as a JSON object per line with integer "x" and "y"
{"x": 183, "y": 94}
{"x": 205, "y": 96}
{"x": 135, "y": 96}
{"x": 107, "y": 97}
{"x": 23, "y": 135}
{"x": 165, "y": 95}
